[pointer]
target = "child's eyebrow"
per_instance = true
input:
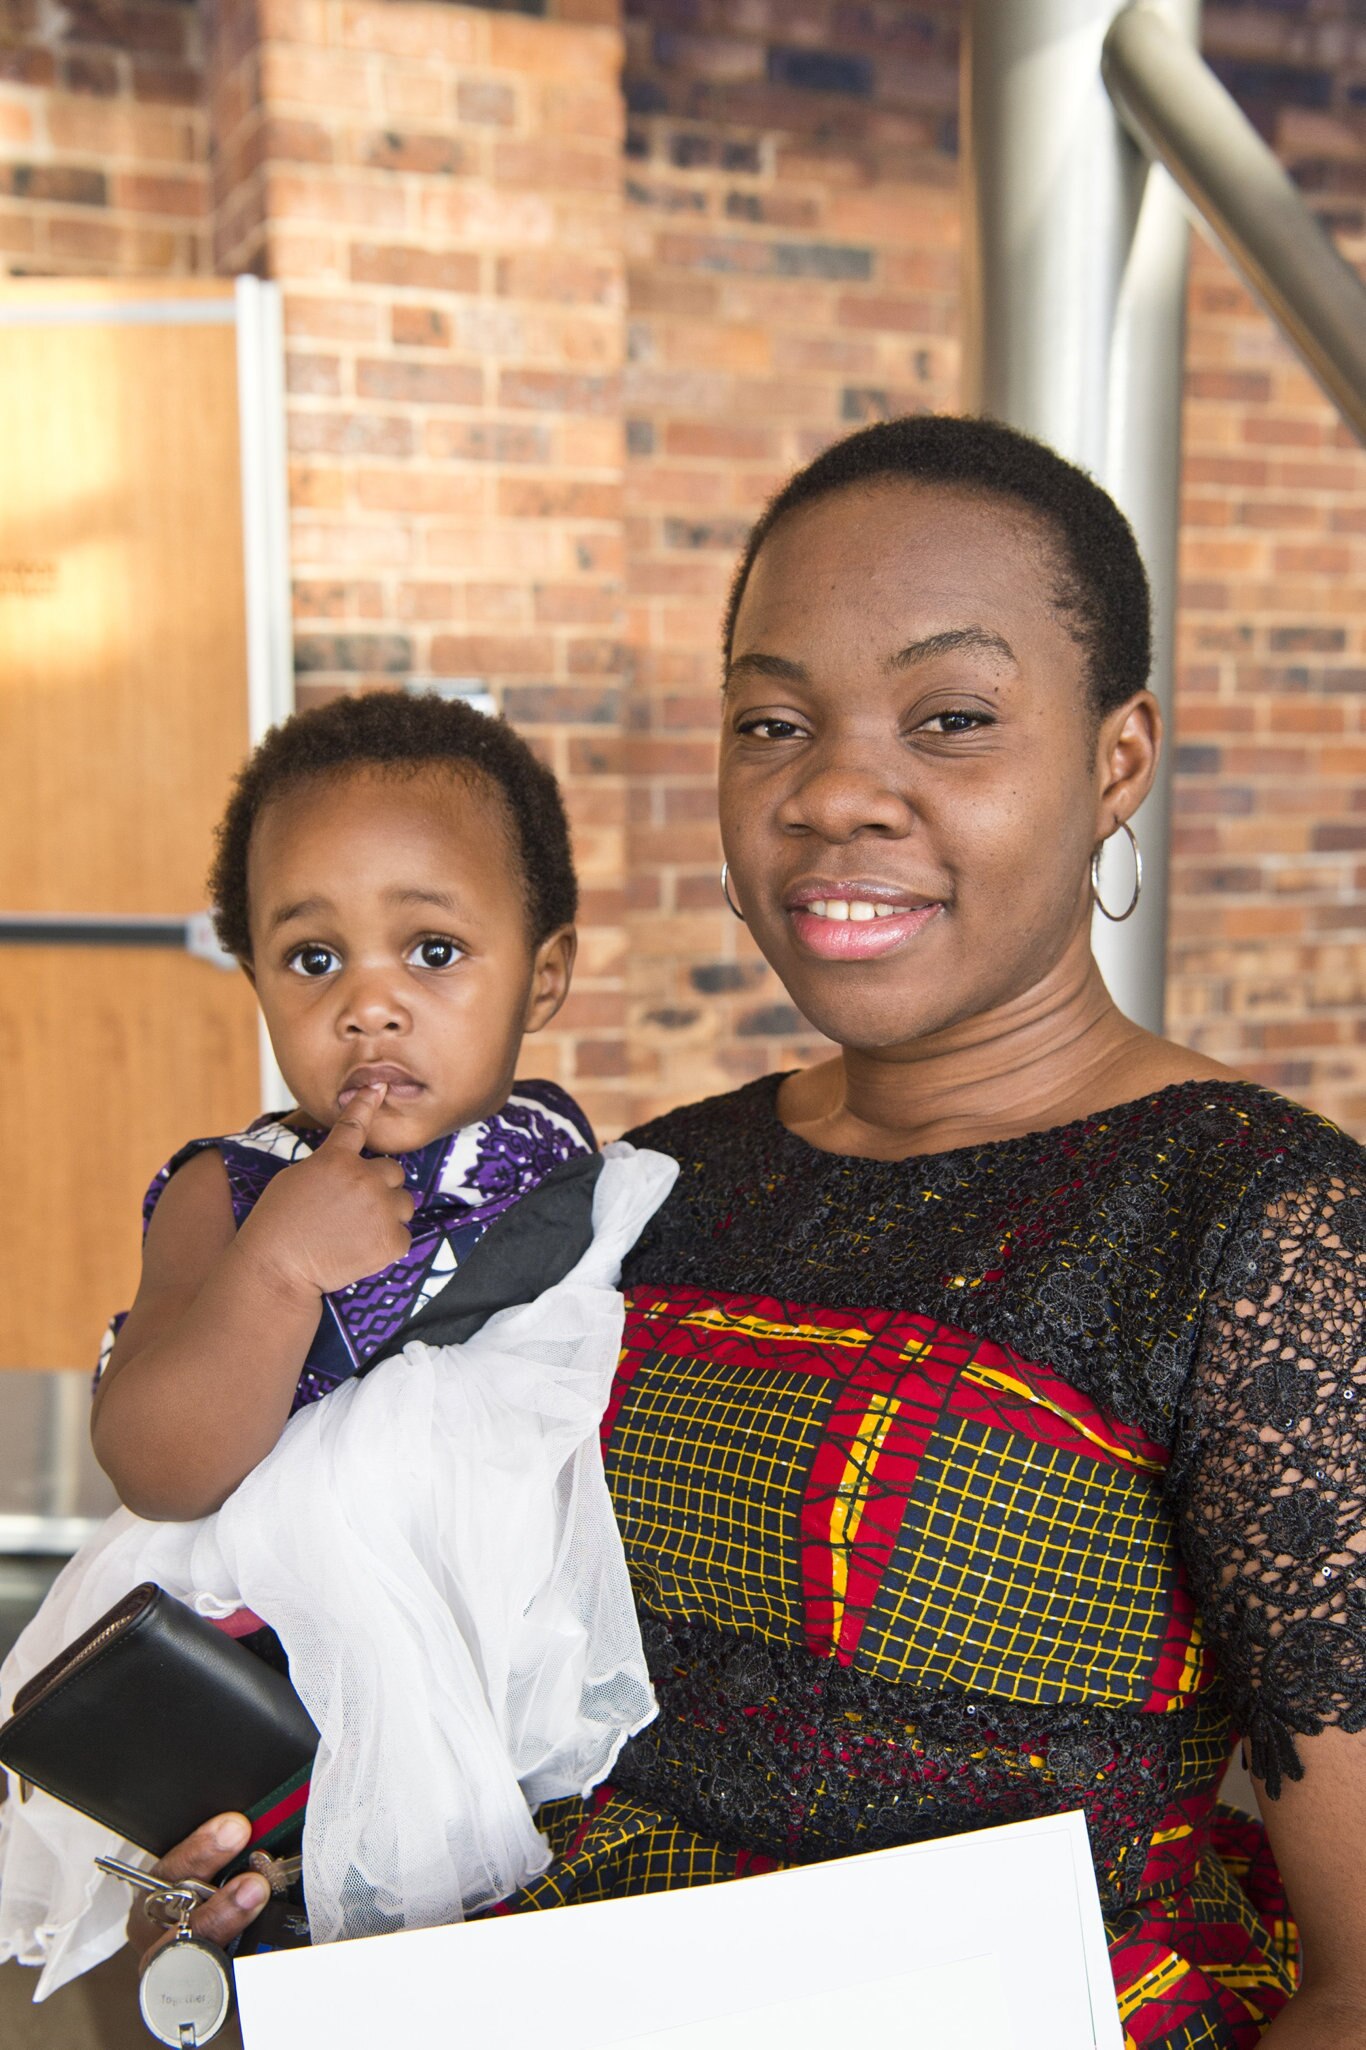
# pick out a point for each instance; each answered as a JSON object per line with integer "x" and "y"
{"x": 307, "y": 907}
{"x": 441, "y": 898}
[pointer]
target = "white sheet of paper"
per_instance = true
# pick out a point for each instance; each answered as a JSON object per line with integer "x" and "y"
{"x": 622, "y": 1975}
{"x": 953, "y": 2007}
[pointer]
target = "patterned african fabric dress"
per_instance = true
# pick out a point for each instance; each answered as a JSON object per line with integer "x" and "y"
{"x": 461, "y": 1184}
{"x": 931, "y": 1474}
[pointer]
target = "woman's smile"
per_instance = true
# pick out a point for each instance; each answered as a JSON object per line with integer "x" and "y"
{"x": 856, "y": 921}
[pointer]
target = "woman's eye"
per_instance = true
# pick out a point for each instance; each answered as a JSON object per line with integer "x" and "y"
{"x": 955, "y": 722}
{"x": 435, "y": 954}
{"x": 313, "y": 961}
{"x": 769, "y": 729}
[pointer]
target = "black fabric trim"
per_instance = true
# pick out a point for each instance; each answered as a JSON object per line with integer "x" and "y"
{"x": 527, "y": 1250}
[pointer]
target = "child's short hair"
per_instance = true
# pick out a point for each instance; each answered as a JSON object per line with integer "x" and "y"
{"x": 389, "y": 728}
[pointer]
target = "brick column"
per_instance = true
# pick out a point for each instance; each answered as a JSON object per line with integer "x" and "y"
{"x": 102, "y": 139}
{"x": 438, "y": 190}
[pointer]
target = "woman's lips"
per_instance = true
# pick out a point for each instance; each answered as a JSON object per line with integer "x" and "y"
{"x": 857, "y": 929}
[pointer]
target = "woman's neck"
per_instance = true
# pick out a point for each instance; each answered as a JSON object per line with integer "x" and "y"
{"x": 1060, "y": 1052}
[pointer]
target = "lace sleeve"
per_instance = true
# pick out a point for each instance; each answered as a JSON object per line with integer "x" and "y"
{"x": 1272, "y": 1460}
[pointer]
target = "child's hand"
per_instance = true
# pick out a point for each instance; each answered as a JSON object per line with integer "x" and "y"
{"x": 334, "y": 1217}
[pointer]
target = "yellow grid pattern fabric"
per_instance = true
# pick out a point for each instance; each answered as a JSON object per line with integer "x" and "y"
{"x": 707, "y": 1474}
{"x": 626, "y": 1849}
{"x": 953, "y": 1533}
{"x": 1035, "y": 1573}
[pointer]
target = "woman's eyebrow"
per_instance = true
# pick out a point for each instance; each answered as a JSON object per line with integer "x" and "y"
{"x": 768, "y": 665}
{"x": 950, "y": 642}
{"x": 983, "y": 639}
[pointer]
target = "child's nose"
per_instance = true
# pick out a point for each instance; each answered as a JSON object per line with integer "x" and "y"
{"x": 373, "y": 1005}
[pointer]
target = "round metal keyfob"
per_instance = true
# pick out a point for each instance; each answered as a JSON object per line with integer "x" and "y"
{"x": 185, "y": 1992}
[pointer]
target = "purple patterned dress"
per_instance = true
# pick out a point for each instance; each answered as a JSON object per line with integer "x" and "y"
{"x": 460, "y": 1185}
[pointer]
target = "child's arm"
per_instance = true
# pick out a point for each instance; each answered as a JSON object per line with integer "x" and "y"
{"x": 199, "y": 1385}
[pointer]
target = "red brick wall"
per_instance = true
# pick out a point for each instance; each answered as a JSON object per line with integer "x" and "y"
{"x": 550, "y": 346}
{"x": 1268, "y": 967}
{"x": 103, "y": 138}
{"x": 792, "y": 230}
{"x": 793, "y": 269}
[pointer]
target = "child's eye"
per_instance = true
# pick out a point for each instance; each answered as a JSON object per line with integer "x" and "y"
{"x": 313, "y": 961}
{"x": 435, "y": 953}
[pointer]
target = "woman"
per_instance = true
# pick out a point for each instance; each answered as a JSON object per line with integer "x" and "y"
{"x": 986, "y": 1440}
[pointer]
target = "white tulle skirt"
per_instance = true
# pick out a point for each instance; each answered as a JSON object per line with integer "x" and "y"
{"x": 435, "y": 1547}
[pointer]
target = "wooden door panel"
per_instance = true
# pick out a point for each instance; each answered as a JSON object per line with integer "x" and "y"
{"x": 123, "y": 716}
{"x": 123, "y": 701}
{"x": 114, "y": 1059}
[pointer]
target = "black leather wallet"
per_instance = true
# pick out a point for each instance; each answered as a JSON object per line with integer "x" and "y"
{"x": 154, "y": 1721}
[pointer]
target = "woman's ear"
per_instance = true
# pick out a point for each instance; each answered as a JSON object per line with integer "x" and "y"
{"x": 552, "y": 969}
{"x": 1127, "y": 750}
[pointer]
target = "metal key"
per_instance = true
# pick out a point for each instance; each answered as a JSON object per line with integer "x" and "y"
{"x": 281, "y": 1873}
{"x": 185, "y": 1990}
{"x": 148, "y": 1882}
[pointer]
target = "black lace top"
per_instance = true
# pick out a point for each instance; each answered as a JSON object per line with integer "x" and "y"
{"x": 1195, "y": 1264}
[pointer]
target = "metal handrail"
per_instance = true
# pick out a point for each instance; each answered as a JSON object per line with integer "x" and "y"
{"x": 193, "y": 935}
{"x": 1178, "y": 112}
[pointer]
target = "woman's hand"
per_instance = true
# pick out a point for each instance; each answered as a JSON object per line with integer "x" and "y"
{"x": 199, "y": 1857}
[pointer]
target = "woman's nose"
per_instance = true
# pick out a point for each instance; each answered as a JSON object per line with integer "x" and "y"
{"x": 848, "y": 791}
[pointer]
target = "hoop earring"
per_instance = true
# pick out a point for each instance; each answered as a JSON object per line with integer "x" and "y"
{"x": 725, "y": 892}
{"x": 1118, "y": 917}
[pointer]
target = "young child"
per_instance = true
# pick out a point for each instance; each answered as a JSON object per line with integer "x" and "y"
{"x": 433, "y": 1544}
{"x": 394, "y": 875}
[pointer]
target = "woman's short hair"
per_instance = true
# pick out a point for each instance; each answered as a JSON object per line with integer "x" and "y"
{"x": 389, "y": 729}
{"x": 1102, "y": 587}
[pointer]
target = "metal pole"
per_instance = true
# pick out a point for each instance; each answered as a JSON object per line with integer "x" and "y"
{"x": 1177, "y": 110}
{"x": 1143, "y": 470}
{"x": 265, "y": 545}
{"x": 1074, "y": 291}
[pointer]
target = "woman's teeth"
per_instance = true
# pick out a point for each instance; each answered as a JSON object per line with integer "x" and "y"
{"x": 858, "y": 909}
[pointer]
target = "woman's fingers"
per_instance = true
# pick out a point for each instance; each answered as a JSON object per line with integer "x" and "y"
{"x": 199, "y": 1857}
{"x": 232, "y": 1907}
{"x": 219, "y": 1921}
{"x": 207, "y": 1851}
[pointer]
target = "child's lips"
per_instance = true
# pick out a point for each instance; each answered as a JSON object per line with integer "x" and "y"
{"x": 399, "y": 1085}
